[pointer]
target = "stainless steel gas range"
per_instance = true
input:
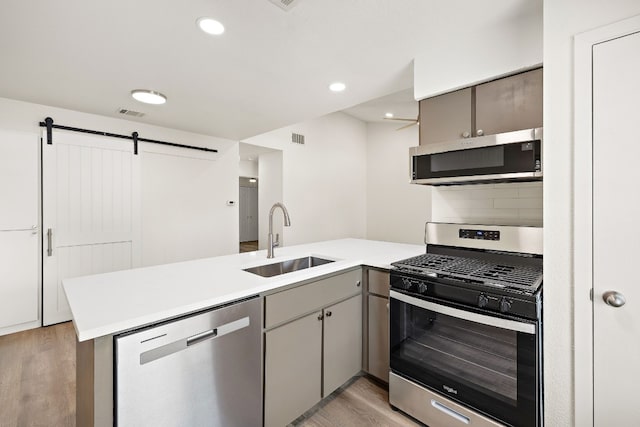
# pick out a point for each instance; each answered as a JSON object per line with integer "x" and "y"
{"x": 465, "y": 327}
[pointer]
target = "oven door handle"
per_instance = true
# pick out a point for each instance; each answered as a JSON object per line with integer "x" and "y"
{"x": 498, "y": 322}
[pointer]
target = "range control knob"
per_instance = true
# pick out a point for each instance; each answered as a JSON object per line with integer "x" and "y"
{"x": 505, "y": 305}
{"x": 483, "y": 300}
{"x": 422, "y": 288}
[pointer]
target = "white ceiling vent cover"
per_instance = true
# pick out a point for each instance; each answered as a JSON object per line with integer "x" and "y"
{"x": 131, "y": 113}
{"x": 285, "y": 4}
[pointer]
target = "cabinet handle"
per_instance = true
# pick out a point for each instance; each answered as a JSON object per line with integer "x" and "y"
{"x": 328, "y": 314}
{"x": 358, "y": 283}
{"x": 49, "y": 247}
{"x": 320, "y": 316}
{"x": 479, "y": 132}
{"x": 465, "y": 134}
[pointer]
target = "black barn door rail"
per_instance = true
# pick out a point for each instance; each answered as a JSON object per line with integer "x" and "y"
{"x": 48, "y": 123}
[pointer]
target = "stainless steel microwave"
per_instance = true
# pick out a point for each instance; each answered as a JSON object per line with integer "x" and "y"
{"x": 505, "y": 157}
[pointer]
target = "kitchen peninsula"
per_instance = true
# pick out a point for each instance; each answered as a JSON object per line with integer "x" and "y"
{"x": 109, "y": 304}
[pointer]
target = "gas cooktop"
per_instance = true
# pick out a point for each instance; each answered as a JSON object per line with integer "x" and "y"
{"x": 494, "y": 274}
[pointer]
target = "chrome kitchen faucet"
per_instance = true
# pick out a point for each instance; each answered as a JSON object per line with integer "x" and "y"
{"x": 287, "y": 222}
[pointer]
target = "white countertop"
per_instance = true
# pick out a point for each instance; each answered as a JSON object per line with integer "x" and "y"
{"x": 109, "y": 303}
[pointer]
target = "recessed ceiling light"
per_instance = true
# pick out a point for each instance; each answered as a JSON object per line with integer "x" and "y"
{"x": 210, "y": 26}
{"x": 388, "y": 115}
{"x": 148, "y": 96}
{"x": 337, "y": 87}
{"x": 253, "y": 180}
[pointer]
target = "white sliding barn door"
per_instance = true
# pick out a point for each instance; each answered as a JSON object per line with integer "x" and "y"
{"x": 616, "y": 246}
{"x": 90, "y": 207}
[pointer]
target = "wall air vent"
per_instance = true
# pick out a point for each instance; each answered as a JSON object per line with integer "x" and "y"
{"x": 131, "y": 113}
{"x": 297, "y": 138}
{"x": 285, "y": 5}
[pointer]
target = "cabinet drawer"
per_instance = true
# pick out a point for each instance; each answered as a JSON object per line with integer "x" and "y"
{"x": 303, "y": 299}
{"x": 379, "y": 282}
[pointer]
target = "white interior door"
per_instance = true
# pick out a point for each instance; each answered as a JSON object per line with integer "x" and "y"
{"x": 616, "y": 246}
{"x": 89, "y": 224}
{"x": 19, "y": 235}
{"x": 248, "y": 210}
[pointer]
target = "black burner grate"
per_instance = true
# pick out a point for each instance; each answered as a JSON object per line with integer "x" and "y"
{"x": 490, "y": 273}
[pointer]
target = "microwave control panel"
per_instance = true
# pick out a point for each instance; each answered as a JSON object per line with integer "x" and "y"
{"x": 465, "y": 233}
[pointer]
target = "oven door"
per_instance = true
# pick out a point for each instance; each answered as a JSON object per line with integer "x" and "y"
{"x": 484, "y": 362}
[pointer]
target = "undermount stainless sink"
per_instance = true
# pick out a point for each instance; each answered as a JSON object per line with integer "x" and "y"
{"x": 289, "y": 266}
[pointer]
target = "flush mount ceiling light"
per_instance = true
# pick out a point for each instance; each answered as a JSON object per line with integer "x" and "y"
{"x": 388, "y": 115}
{"x": 148, "y": 96}
{"x": 210, "y": 26}
{"x": 337, "y": 87}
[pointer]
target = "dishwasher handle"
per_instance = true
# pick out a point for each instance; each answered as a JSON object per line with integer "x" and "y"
{"x": 184, "y": 343}
{"x": 202, "y": 337}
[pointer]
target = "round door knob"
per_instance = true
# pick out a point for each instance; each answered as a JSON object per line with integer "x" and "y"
{"x": 614, "y": 299}
{"x": 466, "y": 134}
{"x": 479, "y": 132}
{"x": 328, "y": 314}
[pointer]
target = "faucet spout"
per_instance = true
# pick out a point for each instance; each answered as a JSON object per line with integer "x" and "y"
{"x": 287, "y": 223}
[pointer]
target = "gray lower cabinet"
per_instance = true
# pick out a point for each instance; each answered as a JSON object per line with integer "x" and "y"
{"x": 309, "y": 356}
{"x": 342, "y": 343}
{"x": 378, "y": 337}
{"x": 293, "y": 369}
{"x": 378, "y": 323}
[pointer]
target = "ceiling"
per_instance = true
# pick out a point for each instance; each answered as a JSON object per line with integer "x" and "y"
{"x": 271, "y": 68}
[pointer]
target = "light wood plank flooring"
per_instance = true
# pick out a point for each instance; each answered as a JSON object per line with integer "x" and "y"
{"x": 361, "y": 403}
{"x": 38, "y": 377}
{"x": 249, "y": 246}
{"x": 38, "y": 382}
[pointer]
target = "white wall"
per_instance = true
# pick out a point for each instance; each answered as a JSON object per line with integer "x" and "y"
{"x": 458, "y": 60}
{"x": 248, "y": 168}
{"x": 269, "y": 192}
{"x": 562, "y": 20}
{"x": 184, "y": 211}
{"x": 396, "y": 209}
{"x": 324, "y": 180}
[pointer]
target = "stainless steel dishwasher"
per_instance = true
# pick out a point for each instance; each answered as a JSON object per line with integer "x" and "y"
{"x": 199, "y": 370}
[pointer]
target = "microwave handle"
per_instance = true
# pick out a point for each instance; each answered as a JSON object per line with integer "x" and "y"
{"x": 498, "y": 322}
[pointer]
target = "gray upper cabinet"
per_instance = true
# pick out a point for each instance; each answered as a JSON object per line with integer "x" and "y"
{"x": 503, "y": 105}
{"x": 445, "y": 117}
{"x": 509, "y": 104}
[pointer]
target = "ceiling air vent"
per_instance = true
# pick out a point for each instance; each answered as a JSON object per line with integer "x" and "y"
{"x": 297, "y": 138}
{"x": 285, "y": 4}
{"x": 130, "y": 112}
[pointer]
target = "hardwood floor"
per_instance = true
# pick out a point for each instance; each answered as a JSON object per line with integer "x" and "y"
{"x": 38, "y": 386}
{"x": 38, "y": 377}
{"x": 361, "y": 403}
{"x": 249, "y": 246}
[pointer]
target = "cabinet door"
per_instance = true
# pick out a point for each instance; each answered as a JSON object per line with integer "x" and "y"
{"x": 379, "y": 337}
{"x": 342, "y": 343}
{"x": 509, "y": 104}
{"x": 293, "y": 368}
{"x": 446, "y": 117}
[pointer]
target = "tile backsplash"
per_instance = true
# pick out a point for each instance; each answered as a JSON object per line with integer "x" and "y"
{"x": 504, "y": 204}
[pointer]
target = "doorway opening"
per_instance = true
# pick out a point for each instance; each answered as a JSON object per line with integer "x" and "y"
{"x": 248, "y": 207}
